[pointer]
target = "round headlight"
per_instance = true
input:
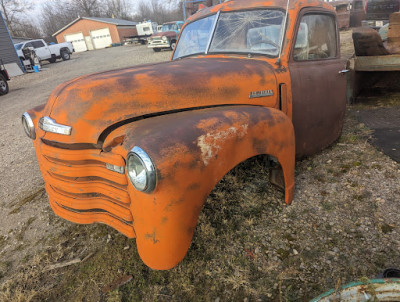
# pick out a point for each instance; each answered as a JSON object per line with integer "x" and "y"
{"x": 164, "y": 38}
{"x": 29, "y": 128}
{"x": 141, "y": 171}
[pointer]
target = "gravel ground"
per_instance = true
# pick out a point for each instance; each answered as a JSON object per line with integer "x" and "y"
{"x": 343, "y": 224}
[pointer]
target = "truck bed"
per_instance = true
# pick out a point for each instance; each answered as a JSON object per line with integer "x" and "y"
{"x": 377, "y": 63}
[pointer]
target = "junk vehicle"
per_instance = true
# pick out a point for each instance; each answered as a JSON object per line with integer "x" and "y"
{"x": 167, "y": 37}
{"x": 357, "y": 13}
{"x": 378, "y": 12}
{"x": 45, "y": 51}
{"x": 144, "y": 31}
{"x": 376, "y": 63}
{"x": 142, "y": 156}
{"x": 4, "y": 78}
{"x": 343, "y": 13}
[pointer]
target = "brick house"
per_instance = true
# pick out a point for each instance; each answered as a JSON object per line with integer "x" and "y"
{"x": 88, "y": 33}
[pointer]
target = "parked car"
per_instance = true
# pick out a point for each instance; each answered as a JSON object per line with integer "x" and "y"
{"x": 4, "y": 78}
{"x": 167, "y": 37}
{"x": 46, "y": 52}
{"x": 141, "y": 148}
{"x": 378, "y": 12}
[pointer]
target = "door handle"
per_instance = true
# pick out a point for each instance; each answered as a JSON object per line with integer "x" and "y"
{"x": 344, "y": 71}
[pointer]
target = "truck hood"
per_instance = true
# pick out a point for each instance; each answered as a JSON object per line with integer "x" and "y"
{"x": 165, "y": 33}
{"x": 101, "y": 102}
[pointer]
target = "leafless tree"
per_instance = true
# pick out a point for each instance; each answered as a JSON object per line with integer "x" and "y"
{"x": 56, "y": 15}
{"x": 117, "y": 9}
{"x": 27, "y": 29}
{"x": 159, "y": 11}
{"x": 87, "y": 8}
{"x": 14, "y": 13}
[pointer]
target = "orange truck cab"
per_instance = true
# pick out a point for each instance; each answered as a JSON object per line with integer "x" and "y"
{"x": 247, "y": 77}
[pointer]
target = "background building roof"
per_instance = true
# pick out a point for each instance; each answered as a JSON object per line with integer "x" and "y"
{"x": 118, "y": 22}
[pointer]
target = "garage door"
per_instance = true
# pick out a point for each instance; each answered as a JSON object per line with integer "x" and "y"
{"x": 101, "y": 38}
{"x": 77, "y": 40}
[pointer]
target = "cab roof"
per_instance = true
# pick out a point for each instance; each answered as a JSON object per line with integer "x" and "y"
{"x": 234, "y": 5}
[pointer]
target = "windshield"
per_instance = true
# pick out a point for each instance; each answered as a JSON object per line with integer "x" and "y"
{"x": 255, "y": 31}
{"x": 169, "y": 27}
{"x": 18, "y": 46}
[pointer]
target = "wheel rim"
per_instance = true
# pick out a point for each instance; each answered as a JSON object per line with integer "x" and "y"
{"x": 65, "y": 55}
{"x": 3, "y": 85}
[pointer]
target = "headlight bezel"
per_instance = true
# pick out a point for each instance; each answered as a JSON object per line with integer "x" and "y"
{"x": 164, "y": 38}
{"x": 147, "y": 164}
{"x": 29, "y": 127}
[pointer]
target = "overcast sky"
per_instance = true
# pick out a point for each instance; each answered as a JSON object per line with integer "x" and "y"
{"x": 39, "y": 3}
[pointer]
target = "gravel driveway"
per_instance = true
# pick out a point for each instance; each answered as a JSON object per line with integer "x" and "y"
{"x": 343, "y": 223}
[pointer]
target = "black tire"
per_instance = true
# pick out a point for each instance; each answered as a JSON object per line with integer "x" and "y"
{"x": 173, "y": 44}
{"x": 53, "y": 59}
{"x": 3, "y": 85}
{"x": 65, "y": 55}
{"x": 156, "y": 49}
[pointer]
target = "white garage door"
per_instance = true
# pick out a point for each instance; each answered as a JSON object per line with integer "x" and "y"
{"x": 101, "y": 38}
{"x": 78, "y": 41}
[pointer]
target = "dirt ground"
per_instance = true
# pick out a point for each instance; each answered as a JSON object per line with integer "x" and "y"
{"x": 342, "y": 226}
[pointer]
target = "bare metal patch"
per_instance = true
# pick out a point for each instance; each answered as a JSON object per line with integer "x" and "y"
{"x": 212, "y": 142}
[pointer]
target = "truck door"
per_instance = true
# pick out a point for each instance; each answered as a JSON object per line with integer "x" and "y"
{"x": 318, "y": 82}
{"x": 41, "y": 49}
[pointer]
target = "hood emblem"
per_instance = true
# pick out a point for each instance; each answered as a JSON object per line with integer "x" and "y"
{"x": 260, "y": 94}
{"x": 49, "y": 125}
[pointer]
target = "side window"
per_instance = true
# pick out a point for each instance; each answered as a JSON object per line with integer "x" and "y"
{"x": 316, "y": 38}
{"x": 29, "y": 44}
{"x": 37, "y": 44}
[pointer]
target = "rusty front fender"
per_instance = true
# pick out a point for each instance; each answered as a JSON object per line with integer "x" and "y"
{"x": 192, "y": 151}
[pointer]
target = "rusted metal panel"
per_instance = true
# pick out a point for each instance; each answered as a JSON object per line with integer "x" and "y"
{"x": 294, "y": 6}
{"x": 204, "y": 144}
{"x": 377, "y": 63}
{"x": 370, "y": 290}
{"x": 317, "y": 114}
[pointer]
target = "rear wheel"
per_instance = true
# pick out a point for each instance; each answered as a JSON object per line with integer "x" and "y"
{"x": 3, "y": 85}
{"x": 65, "y": 55}
{"x": 156, "y": 49}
